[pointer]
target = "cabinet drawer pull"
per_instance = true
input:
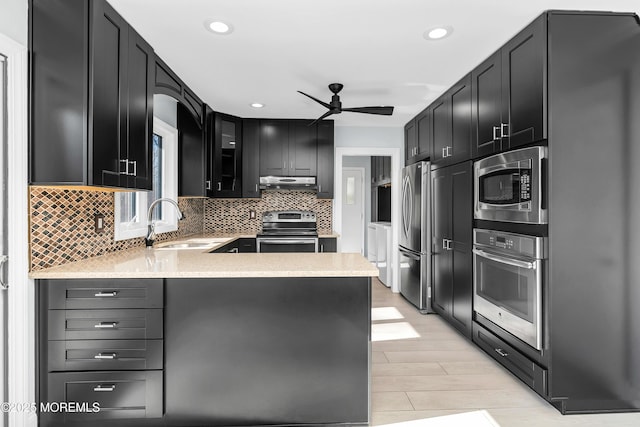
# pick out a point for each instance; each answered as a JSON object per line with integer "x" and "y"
{"x": 501, "y": 352}
{"x": 102, "y": 294}
{"x": 100, "y": 387}
{"x": 105, "y": 356}
{"x": 106, "y": 325}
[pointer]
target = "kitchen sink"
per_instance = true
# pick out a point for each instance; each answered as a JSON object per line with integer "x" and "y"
{"x": 195, "y": 243}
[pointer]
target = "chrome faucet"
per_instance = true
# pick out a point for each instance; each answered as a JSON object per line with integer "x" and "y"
{"x": 151, "y": 234}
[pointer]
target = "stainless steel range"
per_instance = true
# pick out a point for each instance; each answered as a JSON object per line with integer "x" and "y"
{"x": 288, "y": 231}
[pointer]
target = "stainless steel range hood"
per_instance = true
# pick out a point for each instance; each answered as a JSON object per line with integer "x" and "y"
{"x": 300, "y": 183}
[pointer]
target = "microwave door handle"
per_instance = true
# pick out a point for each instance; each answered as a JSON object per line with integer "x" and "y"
{"x": 504, "y": 260}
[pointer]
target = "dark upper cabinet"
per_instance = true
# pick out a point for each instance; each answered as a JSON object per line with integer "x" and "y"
{"x": 452, "y": 244}
{"x": 274, "y": 147}
{"x": 417, "y": 137}
{"x": 251, "y": 158}
{"x": 226, "y": 157}
{"x": 380, "y": 170}
{"x": 509, "y": 93}
{"x": 288, "y": 148}
{"x": 92, "y": 97}
{"x": 451, "y": 125}
{"x": 423, "y": 134}
{"x": 410, "y": 141}
{"x": 192, "y": 154}
{"x": 303, "y": 150}
{"x": 325, "y": 144}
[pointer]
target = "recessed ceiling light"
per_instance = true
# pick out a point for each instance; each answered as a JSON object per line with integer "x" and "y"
{"x": 257, "y": 105}
{"x": 437, "y": 33}
{"x": 217, "y": 26}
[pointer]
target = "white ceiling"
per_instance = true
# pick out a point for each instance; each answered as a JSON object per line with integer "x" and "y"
{"x": 374, "y": 47}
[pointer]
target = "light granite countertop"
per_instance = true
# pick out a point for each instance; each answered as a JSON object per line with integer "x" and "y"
{"x": 192, "y": 263}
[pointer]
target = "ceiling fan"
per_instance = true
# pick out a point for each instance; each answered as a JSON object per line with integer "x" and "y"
{"x": 335, "y": 106}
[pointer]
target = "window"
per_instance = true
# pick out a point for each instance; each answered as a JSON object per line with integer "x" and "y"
{"x": 131, "y": 207}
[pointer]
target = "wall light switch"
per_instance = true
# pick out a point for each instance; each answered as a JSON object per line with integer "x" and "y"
{"x": 98, "y": 223}
{"x": 252, "y": 214}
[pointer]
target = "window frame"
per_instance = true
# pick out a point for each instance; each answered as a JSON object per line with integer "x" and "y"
{"x": 137, "y": 226}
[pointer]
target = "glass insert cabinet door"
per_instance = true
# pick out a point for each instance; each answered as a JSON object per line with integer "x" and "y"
{"x": 227, "y": 156}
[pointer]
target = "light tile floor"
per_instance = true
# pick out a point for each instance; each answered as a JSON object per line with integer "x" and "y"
{"x": 433, "y": 371}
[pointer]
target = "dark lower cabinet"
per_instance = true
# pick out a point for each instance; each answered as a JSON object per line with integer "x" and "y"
{"x": 327, "y": 244}
{"x": 452, "y": 244}
{"x": 267, "y": 351}
{"x": 241, "y": 245}
{"x": 101, "y": 349}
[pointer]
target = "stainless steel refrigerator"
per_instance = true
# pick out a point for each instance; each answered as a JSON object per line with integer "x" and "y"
{"x": 415, "y": 235}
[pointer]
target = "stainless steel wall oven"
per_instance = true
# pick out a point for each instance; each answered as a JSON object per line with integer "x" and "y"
{"x": 508, "y": 281}
{"x": 510, "y": 186}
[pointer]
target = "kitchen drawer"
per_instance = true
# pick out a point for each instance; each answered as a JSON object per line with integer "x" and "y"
{"x": 104, "y": 293}
{"x": 519, "y": 365}
{"x": 102, "y": 355}
{"x": 105, "y": 324}
{"x": 132, "y": 394}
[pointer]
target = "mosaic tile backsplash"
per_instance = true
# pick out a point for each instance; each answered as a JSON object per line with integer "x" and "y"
{"x": 62, "y": 220}
{"x": 62, "y": 225}
{"x": 232, "y": 215}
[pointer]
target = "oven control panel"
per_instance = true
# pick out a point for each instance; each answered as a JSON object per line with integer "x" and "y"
{"x": 511, "y": 243}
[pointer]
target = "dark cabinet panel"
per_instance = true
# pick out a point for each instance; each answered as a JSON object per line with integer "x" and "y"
{"x": 486, "y": 105}
{"x": 327, "y": 244}
{"x": 303, "y": 150}
{"x": 104, "y": 293}
{"x": 274, "y": 147}
{"x": 250, "y": 158}
{"x": 227, "y": 156}
{"x": 441, "y": 135}
{"x": 192, "y": 152}
{"x": 168, "y": 83}
{"x": 423, "y": 134}
{"x": 410, "y": 141}
{"x": 509, "y": 93}
{"x": 325, "y": 159}
{"x": 92, "y": 103}
{"x": 452, "y": 223}
{"x": 523, "y": 83}
{"x": 106, "y": 324}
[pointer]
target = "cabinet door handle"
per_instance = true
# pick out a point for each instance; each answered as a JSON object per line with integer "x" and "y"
{"x": 103, "y": 294}
{"x": 135, "y": 167}
{"x": 444, "y": 152}
{"x": 233, "y": 185}
{"x": 105, "y": 325}
{"x": 291, "y": 165}
{"x": 109, "y": 356}
{"x": 207, "y": 185}
{"x": 448, "y": 151}
{"x": 126, "y": 166}
{"x": 501, "y": 352}
{"x": 504, "y": 130}
{"x": 256, "y": 188}
{"x": 321, "y": 247}
{"x": 495, "y": 132}
{"x": 100, "y": 387}
{"x": 219, "y": 186}
{"x": 234, "y": 251}
{"x": 319, "y": 188}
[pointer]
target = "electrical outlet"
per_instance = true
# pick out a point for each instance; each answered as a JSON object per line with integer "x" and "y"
{"x": 98, "y": 222}
{"x": 252, "y": 214}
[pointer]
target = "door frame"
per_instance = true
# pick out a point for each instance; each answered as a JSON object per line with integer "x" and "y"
{"x": 364, "y": 201}
{"x": 21, "y": 375}
{"x": 397, "y": 162}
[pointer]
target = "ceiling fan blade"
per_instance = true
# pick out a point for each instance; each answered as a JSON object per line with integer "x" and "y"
{"x": 316, "y": 99}
{"x": 327, "y": 114}
{"x": 384, "y": 111}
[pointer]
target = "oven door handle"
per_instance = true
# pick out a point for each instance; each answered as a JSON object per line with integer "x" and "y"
{"x": 286, "y": 241}
{"x": 504, "y": 260}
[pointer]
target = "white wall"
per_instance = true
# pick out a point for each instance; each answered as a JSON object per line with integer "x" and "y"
{"x": 352, "y": 136}
{"x": 13, "y": 20}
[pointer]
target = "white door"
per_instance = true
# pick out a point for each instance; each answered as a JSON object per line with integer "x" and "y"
{"x": 352, "y": 238}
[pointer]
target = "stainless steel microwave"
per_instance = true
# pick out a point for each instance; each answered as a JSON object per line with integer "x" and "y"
{"x": 509, "y": 186}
